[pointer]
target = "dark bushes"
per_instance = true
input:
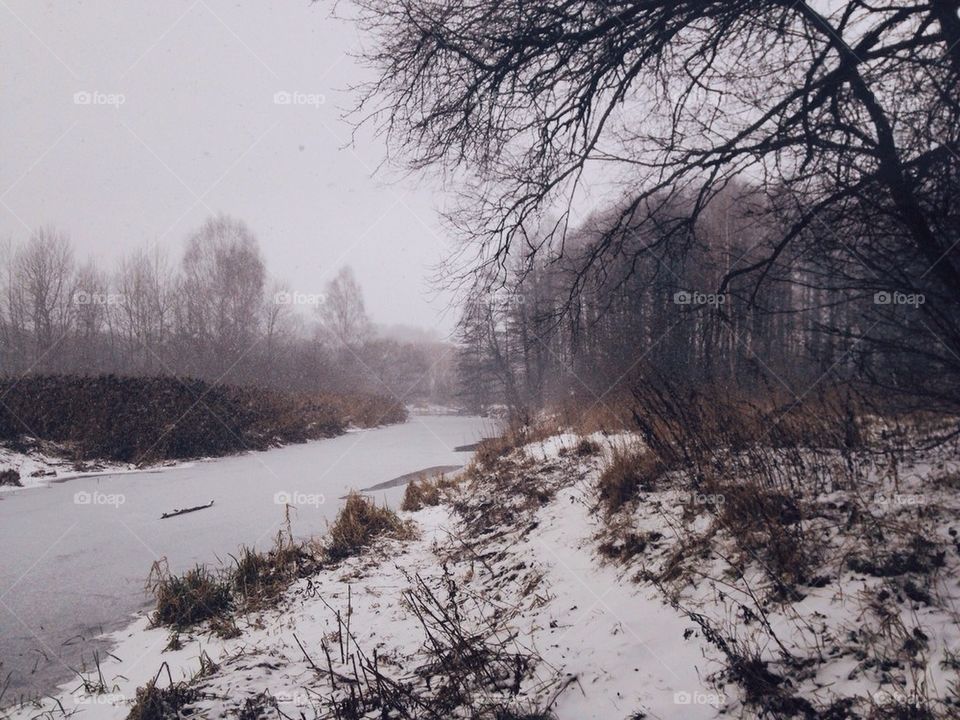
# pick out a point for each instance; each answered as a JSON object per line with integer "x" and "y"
{"x": 148, "y": 419}
{"x": 10, "y": 477}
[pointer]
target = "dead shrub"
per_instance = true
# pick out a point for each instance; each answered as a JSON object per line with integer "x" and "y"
{"x": 358, "y": 524}
{"x": 185, "y": 600}
{"x": 425, "y": 492}
{"x": 628, "y": 473}
{"x": 703, "y": 428}
{"x": 766, "y": 523}
{"x": 153, "y": 703}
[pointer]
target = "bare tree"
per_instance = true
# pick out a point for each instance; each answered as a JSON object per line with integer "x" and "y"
{"x": 41, "y": 299}
{"x": 844, "y": 114}
{"x": 208, "y": 318}
{"x": 222, "y": 287}
{"x": 343, "y": 316}
{"x": 145, "y": 311}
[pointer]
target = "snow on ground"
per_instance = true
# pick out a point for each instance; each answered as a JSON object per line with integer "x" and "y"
{"x": 40, "y": 466}
{"x": 519, "y": 548}
{"x": 567, "y": 442}
{"x": 623, "y": 645}
{"x": 603, "y": 646}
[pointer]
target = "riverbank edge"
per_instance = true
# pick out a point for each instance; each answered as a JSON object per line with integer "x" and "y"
{"x": 525, "y": 545}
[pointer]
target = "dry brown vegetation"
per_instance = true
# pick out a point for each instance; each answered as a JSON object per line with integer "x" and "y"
{"x": 257, "y": 578}
{"x": 628, "y": 473}
{"x": 146, "y": 419}
{"x": 783, "y": 493}
{"x": 585, "y": 447}
{"x": 358, "y": 524}
{"x": 154, "y": 702}
{"x": 425, "y": 492}
{"x": 185, "y": 600}
{"x": 471, "y": 665}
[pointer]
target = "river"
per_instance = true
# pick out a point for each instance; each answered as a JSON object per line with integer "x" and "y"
{"x": 76, "y": 554}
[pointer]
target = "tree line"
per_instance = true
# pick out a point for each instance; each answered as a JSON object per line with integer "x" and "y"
{"x": 555, "y": 330}
{"x": 799, "y": 160}
{"x": 216, "y": 314}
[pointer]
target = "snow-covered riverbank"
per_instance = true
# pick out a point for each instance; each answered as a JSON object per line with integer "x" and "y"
{"x": 520, "y": 594}
{"x": 74, "y": 569}
{"x": 39, "y": 468}
{"x": 603, "y": 646}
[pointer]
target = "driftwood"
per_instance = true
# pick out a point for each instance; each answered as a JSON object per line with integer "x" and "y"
{"x": 175, "y": 512}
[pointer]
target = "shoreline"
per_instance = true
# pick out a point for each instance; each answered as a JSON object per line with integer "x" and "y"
{"x": 303, "y": 467}
{"x": 428, "y": 472}
{"x": 602, "y": 619}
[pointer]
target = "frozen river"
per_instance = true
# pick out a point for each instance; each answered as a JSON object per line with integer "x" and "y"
{"x": 75, "y": 555}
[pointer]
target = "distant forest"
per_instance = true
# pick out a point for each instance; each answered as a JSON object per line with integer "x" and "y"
{"x": 584, "y": 322}
{"x": 213, "y": 314}
{"x": 771, "y": 190}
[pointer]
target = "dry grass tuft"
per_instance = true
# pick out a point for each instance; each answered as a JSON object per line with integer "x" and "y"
{"x": 419, "y": 494}
{"x": 188, "y": 599}
{"x": 425, "y": 492}
{"x": 256, "y": 578}
{"x": 153, "y": 703}
{"x": 489, "y": 451}
{"x": 585, "y": 447}
{"x": 358, "y": 524}
{"x": 261, "y": 577}
{"x": 628, "y": 473}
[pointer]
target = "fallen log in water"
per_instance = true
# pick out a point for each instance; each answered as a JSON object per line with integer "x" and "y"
{"x": 175, "y": 512}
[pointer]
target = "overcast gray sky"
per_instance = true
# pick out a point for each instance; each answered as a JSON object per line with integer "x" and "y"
{"x": 199, "y": 129}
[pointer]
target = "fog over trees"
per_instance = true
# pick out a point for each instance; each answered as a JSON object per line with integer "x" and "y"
{"x": 799, "y": 160}
{"x": 215, "y": 314}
